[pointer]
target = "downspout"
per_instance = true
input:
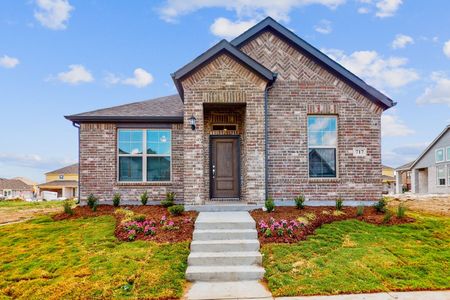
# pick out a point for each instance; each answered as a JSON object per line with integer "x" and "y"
{"x": 77, "y": 125}
{"x": 266, "y": 135}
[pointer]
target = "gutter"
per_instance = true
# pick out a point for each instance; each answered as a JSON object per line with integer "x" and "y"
{"x": 77, "y": 125}
{"x": 266, "y": 135}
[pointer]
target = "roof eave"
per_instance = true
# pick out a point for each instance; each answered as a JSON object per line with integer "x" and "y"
{"x": 125, "y": 119}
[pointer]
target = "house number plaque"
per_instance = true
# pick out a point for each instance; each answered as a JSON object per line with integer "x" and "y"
{"x": 359, "y": 151}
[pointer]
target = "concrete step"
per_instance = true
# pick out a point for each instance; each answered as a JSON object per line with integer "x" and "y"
{"x": 225, "y": 246}
{"x": 228, "y": 290}
{"x": 224, "y": 258}
{"x": 224, "y": 273}
{"x": 225, "y": 234}
{"x": 224, "y": 220}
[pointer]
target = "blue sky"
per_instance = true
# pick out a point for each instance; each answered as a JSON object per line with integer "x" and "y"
{"x": 59, "y": 57}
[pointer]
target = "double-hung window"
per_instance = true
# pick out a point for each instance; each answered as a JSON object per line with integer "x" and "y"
{"x": 322, "y": 146}
{"x": 440, "y": 170}
{"x": 439, "y": 155}
{"x": 144, "y": 155}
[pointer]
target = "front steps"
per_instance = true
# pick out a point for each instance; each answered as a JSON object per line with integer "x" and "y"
{"x": 225, "y": 247}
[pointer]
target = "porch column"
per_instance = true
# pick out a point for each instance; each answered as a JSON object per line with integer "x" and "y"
{"x": 398, "y": 182}
{"x": 414, "y": 181}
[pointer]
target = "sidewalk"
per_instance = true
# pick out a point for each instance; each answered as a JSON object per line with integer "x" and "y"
{"x": 421, "y": 295}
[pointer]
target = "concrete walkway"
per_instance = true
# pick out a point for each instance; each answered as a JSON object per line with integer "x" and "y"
{"x": 421, "y": 295}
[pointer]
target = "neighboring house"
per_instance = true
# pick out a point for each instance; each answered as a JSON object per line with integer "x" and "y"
{"x": 63, "y": 181}
{"x": 405, "y": 178}
{"x": 430, "y": 172}
{"x": 29, "y": 182}
{"x": 15, "y": 189}
{"x": 388, "y": 180}
{"x": 265, "y": 115}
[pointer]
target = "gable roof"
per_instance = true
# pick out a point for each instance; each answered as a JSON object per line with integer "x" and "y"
{"x": 221, "y": 47}
{"x": 405, "y": 167}
{"x": 72, "y": 169}
{"x": 163, "y": 109}
{"x": 14, "y": 184}
{"x": 426, "y": 150}
{"x": 270, "y": 24}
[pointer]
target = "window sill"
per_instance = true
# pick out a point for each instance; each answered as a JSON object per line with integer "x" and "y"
{"x": 161, "y": 183}
{"x": 323, "y": 180}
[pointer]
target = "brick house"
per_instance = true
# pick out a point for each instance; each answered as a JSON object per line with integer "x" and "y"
{"x": 265, "y": 115}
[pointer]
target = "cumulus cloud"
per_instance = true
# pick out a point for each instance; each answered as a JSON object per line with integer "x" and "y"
{"x": 376, "y": 70}
{"x": 446, "y": 48}
{"x": 141, "y": 79}
{"x": 77, "y": 74}
{"x": 401, "y": 41}
{"x": 8, "y": 62}
{"x": 33, "y": 160}
{"x": 245, "y": 9}
{"x": 438, "y": 92}
{"x": 392, "y": 125}
{"x": 387, "y": 8}
{"x": 225, "y": 28}
{"x": 323, "y": 27}
{"x": 53, "y": 14}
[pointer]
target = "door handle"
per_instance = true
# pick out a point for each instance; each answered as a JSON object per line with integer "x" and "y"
{"x": 214, "y": 171}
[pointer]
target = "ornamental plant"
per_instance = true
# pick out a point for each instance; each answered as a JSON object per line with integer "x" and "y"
{"x": 401, "y": 211}
{"x": 300, "y": 202}
{"x": 380, "y": 206}
{"x": 131, "y": 235}
{"x": 360, "y": 210}
{"x": 170, "y": 200}
{"x": 116, "y": 199}
{"x": 280, "y": 228}
{"x": 176, "y": 210}
{"x": 339, "y": 203}
{"x": 144, "y": 198}
{"x": 269, "y": 204}
{"x": 67, "y": 207}
{"x": 92, "y": 201}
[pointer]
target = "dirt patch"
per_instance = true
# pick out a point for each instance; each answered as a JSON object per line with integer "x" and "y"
{"x": 290, "y": 225}
{"x": 435, "y": 205}
{"x": 13, "y": 215}
{"x": 151, "y": 223}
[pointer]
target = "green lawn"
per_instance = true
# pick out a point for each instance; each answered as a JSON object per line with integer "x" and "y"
{"x": 19, "y": 204}
{"x": 354, "y": 257}
{"x": 82, "y": 259}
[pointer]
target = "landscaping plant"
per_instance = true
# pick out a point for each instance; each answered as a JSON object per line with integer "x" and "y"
{"x": 387, "y": 216}
{"x": 68, "y": 207}
{"x": 401, "y": 211}
{"x": 170, "y": 200}
{"x": 176, "y": 210}
{"x": 380, "y": 206}
{"x": 360, "y": 210}
{"x": 300, "y": 201}
{"x": 339, "y": 203}
{"x": 116, "y": 199}
{"x": 144, "y": 198}
{"x": 269, "y": 204}
{"x": 92, "y": 202}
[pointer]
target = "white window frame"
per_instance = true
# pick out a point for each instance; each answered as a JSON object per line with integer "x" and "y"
{"x": 324, "y": 147}
{"x": 143, "y": 155}
{"x": 447, "y": 152}
{"x": 448, "y": 175}
{"x": 445, "y": 175}
{"x": 443, "y": 155}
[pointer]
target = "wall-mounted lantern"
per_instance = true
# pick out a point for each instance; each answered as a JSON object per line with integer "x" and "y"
{"x": 192, "y": 121}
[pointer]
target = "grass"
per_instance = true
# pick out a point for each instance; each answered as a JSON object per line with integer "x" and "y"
{"x": 20, "y": 205}
{"x": 355, "y": 257}
{"x": 82, "y": 259}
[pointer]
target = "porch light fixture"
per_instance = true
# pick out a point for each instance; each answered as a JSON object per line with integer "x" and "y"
{"x": 192, "y": 121}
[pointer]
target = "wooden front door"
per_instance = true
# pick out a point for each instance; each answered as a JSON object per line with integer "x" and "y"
{"x": 224, "y": 167}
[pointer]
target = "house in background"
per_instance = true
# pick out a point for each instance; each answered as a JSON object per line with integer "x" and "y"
{"x": 430, "y": 172}
{"x": 30, "y": 182}
{"x": 15, "y": 189}
{"x": 63, "y": 181}
{"x": 388, "y": 180}
{"x": 404, "y": 172}
{"x": 265, "y": 115}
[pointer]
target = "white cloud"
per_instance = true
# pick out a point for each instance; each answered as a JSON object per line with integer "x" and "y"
{"x": 401, "y": 41}
{"x": 8, "y": 62}
{"x": 32, "y": 160}
{"x": 446, "y": 48}
{"x": 245, "y": 9}
{"x": 77, "y": 74}
{"x": 224, "y": 28}
{"x": 53, "y": 14}
{"x": 363, "y": 10}
{"x": 438, "y": 92}
{"x": 387, "y": 8}
{"x": 324, "y": 27}
{"x": 376, "y": 70}
{"x": 392, "y": 125}
{"x": 141, "y": 79}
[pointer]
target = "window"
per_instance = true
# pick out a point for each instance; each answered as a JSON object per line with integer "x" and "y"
{"x": 440, "y": 175}
{"x": 440, "y": 155}
{"x": 224, "y": 127}
{"x": 153, "y": 163}
{"x": 322, "y": 144}
{"x": 448, "y": 153}
{"x": 448, "y": 175}
{"x": 61, "y": 177}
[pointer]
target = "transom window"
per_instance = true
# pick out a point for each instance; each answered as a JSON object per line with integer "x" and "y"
{"x": 144, "y": 155}
{"x": 322, "y": 145}
{"x": 440, "y": 175}
{"x": 440, "y": 155}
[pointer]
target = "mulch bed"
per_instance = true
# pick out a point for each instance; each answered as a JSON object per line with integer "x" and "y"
{"x": 314, "y": 217}
{"x": 184, "y": 224}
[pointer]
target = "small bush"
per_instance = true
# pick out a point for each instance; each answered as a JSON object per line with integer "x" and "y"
{"x": 170, "y": 200}
{"x": 380, "y": 206}
{"x": 116, "y": 199}
{"x": 144, "y": 198}
{"x": 139, "y": 218}
{"x": 176, "y": 210}
{"x": 401, "y": 211}
{"x": 300, "y": 202}
{"x": 92, "y": 201}
{"x": 339, "y": 203}
{"x": 360, "y": 210}
{"x": 67, "y": 207}
{"x": 270, "y": 205}
{"x": 387, "y": 217}
{"x": 94, "y": 207}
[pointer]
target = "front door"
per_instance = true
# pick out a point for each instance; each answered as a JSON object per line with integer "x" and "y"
{"x": 224, "y": 167}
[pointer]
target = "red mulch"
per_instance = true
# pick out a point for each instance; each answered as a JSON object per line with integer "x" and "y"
{"x": 292, "y": 213}
{"x": 185, "y": 222}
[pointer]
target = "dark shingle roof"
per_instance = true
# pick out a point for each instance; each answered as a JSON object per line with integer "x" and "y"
{"x": 14, "y": 184}
{"x": 72, "y": 169}
{"x": 163, "y": 109}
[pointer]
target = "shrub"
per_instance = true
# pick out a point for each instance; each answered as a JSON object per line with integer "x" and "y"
{"x": 116, "y": 199}
{"x": 94, "y": 208}
{"x": 387, "y": 217}
{"x": 139, "y": 218}
{"x": 380, "y": 206}
{"x": 144, "y": 198}
{"x": 269, "y": 204}
{"x": 170, "y": 199}
{"x": 360, "y": 210}
{"x": 339, "y": 203}
{"x": 401, "y": 211}
{"x": 67, "y": 207}
{"x": 300, "y": 202}
{"x": 92, "y": 201}
{"x": 176, "y": 210}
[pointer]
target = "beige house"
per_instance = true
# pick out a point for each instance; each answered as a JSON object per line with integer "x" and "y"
{"x": 63, "y": 181}
{"x": 15, "y": 189}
